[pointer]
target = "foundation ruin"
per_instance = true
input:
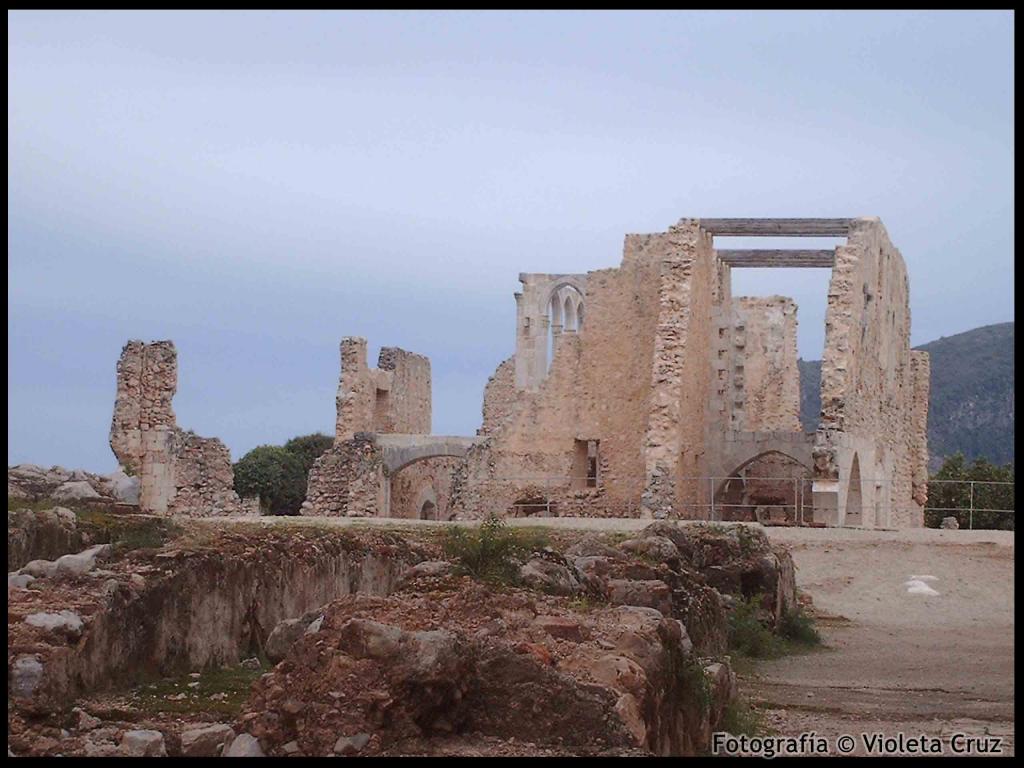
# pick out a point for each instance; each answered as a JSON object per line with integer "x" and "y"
{"x": 646, "y": 390}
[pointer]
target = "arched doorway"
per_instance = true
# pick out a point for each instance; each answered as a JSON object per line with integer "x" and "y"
{"x": 770, "y": 487}
{"x": 428, "y": 511}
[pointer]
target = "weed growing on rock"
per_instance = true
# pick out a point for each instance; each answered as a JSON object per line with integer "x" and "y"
{"x": 741, "y": 718}
{"x": 797, "y": 627}
{"x": 747, "y": 633}
{"x": 493, "y": 551}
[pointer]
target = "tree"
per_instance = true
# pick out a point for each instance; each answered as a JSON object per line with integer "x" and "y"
{"x": 309, "y": 448}
{"x": 992, "y": 497}
{"x": 275, "y": 475}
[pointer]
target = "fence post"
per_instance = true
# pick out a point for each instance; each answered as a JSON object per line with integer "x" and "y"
{"x": 711, "y": 488}
{"x": 795, "y": 503}
{"x": 971, "y": 524}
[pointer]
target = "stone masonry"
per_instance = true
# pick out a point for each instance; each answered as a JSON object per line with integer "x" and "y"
{"x": 179, "y": 472}
{"x": 645, "y": 390}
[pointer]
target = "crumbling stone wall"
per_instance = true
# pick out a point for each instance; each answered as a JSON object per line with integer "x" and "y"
{"x": 873, "y": 397}
{"x": 680, "y": 379}
{"x": 394, "y": 397}
{"x": 499, "y": 397}
{"x": 179, "y": 472}
{"x": 347, "y": 480}
{"x": 767, "y": 382}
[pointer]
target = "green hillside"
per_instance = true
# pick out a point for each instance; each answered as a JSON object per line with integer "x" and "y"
{"x": 971, "y": 403}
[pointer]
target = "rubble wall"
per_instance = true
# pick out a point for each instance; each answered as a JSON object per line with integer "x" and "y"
{"x": 769, "y": 382}
{"x": 500, "y": 397}
{"x": 179, "y": 472}
{"x": 873, "y": 404}
{"x": 394, "y": 397}
{"x": 409, "y": 405}
{"x": 680, "y": 380}
{"x": 347, "y": 480}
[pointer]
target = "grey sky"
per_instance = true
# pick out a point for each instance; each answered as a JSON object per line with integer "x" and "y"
{"x": 256, "y": 185}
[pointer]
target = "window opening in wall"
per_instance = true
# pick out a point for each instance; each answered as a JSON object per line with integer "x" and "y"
{"x": 380, "y": 411}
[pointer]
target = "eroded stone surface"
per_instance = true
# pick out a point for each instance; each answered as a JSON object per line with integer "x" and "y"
{"x": 179, "y": 472}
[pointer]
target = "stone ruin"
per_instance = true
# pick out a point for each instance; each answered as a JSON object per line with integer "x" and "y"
{"x": 646, "y": 390}
{"x": 179, "y": 472}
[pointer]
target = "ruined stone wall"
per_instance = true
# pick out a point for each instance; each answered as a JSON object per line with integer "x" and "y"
{"x": 920, "y": 375}
{"x": 681, "y": 387}
{"x": 408, "y": 408}
{"x": 768, "y": 380}
{"x": 534, "y": 322}
{"x": 873, "y": 404}
{"x": 425, "y": 482}
{"x": 500, "y": 397}
{"x": 179, "y": 472}
{"x": 636, "y": 379}
{"x": 534, "y": 447}
{"x": 395, "y": 397}
{"x": 347, "y": 480}
{"x": 621, "y": 317}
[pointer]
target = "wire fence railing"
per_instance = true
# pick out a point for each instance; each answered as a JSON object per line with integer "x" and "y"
{"x": 777, "y": 499}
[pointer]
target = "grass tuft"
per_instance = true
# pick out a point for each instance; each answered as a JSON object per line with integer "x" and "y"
{"x": 493, "y": 551}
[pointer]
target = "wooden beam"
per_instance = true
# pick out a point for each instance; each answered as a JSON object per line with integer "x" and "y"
{"x": 777, "y": 227}
{"x": 777, "y": 258}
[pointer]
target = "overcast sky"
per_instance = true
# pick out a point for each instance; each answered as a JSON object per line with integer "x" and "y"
{"x": 255, "y": 186}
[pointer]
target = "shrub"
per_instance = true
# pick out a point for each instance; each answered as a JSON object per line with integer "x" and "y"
{"x": 740, "y": 718}
{"x": 275, "y": 475}
{"x": 492, "y": 552}
{"x": 796, "y": 626}
{"x": 992, "y": 500}
{"x": 309, "y": 448}
{"x": 747, "y": 633}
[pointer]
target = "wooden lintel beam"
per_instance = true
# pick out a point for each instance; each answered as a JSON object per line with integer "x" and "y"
{"x": 777, "y": 227}
{"x": 777, "y": 258}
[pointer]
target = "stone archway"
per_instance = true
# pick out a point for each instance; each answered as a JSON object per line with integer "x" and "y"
{"x": 772, "y": 486}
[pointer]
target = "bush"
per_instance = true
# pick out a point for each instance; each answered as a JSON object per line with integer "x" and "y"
{"x": 741, "y": 718}
{"x": 796, "y": 626}
{"x": 492, "y": 552}
{"x": 275, "y": 475}
{"x": 946, "y": 499}
{"x": 309, "y": 448}
{"x": 747, "y": 633}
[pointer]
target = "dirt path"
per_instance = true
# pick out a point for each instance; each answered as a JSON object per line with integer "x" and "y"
{"x": 898, "y": 662}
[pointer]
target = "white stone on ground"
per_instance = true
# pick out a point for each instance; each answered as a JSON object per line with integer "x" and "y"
{"x": 244, "y": 745}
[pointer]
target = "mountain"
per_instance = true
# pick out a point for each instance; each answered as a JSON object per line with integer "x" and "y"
{"x": 971, "y": 401}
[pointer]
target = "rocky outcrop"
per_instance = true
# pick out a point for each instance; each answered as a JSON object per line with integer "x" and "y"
{"x": 444, "y": 657}
{"x": 43, "y": 534}
{"x": 34, "y": 483}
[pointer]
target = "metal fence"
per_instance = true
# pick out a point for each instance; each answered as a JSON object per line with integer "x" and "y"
{"x": 973, "y": 500}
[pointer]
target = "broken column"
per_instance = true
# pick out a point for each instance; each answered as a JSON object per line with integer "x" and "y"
{"x": 179, "y": 472}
